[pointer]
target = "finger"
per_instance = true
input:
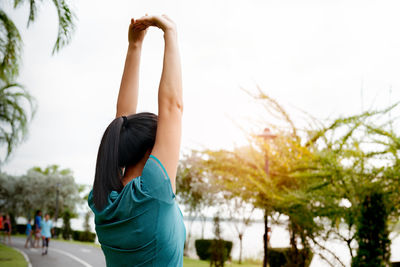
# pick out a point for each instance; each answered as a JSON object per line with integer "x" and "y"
{"x": 144, "y": 18}
{"x": 141, "y": 22}
{"x": 146, "y": 23}
{"x": 166, "y": 17}
{"x": 141, "y": 27}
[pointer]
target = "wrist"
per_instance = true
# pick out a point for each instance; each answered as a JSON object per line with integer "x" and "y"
{"x": 170, "y": 32}
{"x": 135, "y": 45}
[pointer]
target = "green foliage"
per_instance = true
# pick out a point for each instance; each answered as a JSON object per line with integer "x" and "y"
{"x": 83, "y": 236}
{"x": 372, "y": 233}
{"x": 316, "y": 175}
{"x": 66, "y": 228}
{"x": 86, "y": 225}
{"x": 277, "y": 256}
{"x": 14, "y": 112}
{"x": 13, "y": 115}
{"x": 194, "y": 190}
{"x": 192, "y": 184}
{"x": 218, "y": 253}
{"x": 22, "y": 195}
{"x": 10, "y": 48}
{"x": 217, "y": 249}
{"x": 20, "y": 228}
{"x": 283, "y": 257}
{"x": 203, "y": 248}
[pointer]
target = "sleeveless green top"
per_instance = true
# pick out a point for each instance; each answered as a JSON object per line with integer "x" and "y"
{"x": 142, "y": 225}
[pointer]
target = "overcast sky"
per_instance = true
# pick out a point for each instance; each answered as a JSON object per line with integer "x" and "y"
{"x": 311, "y": 55}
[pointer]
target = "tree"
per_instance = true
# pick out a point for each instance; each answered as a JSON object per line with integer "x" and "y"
{"x": 22, "y": 195}
{"x": 314, "y": 172}
{"x": 11, "y": 42}
{"x": 241, "y": 172}
{"x": 240, "y": 214}
{"x": 194, "y": 190}
{"x": 66, "y": 230}
{"x": 217, "y": 248}
{"x": 372, "y": 232}
{"x": 14, "y": 116}
{"x": 357, "y": 154}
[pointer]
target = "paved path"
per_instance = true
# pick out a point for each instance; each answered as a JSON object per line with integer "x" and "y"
{"x": 62, "y": 254}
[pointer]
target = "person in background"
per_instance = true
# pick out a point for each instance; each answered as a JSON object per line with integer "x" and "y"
{"x": 37, "y": 227}
{"x": 1, "y": 223}
{"x": 29, "y": 234}
{"x": 7, "y": 229}
{"x": 269, "y": 236}
{"x": 47, "y": 228}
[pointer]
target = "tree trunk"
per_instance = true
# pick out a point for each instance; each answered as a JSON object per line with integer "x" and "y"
{"x": 241, "y": 247}
{"x": 189, "y": 235}
{"x": 265, "y": 239}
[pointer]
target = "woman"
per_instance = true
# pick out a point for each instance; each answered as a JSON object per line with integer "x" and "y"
{"x": 138, "y": 222}
{"x": 47, "y": 228}
{"x": 7, "y": 229}
{"x": 29, "y": 234}
{"x": 37, "y": 228}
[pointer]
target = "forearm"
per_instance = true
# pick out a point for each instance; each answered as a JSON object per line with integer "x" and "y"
{"x": 128, "y": 92}
{"x": 170, "y": 90}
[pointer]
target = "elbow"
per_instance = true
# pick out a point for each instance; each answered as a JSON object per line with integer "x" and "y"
{"x": 172, "y": 105}
{"x": 176, "y": 105}
{"x": 179, "y": 105}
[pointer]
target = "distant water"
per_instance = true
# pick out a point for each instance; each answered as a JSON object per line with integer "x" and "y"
{"x": 253, "y": 240}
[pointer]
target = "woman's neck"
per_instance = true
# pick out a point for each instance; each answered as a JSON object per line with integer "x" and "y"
{"x": 135, "y": 171}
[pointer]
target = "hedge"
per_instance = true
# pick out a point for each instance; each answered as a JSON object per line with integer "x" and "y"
{"x": 203, "y": 248}
{"x": 76, "y": 235}
{"x": 280, "y": 257}
{"x": 83, "y": 236}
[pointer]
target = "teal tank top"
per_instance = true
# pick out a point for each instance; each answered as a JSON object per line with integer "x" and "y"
{"x": 142, "y": 225}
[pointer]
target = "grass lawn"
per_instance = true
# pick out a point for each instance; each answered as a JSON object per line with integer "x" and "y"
{"x": 187, "y": 262}
{"x": 11, "y": 257}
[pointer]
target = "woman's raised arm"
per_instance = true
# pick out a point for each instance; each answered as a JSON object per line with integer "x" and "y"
{"x": 129, "y": 89}
{"x": 170, "y": 104}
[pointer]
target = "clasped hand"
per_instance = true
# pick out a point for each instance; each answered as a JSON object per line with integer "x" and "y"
{"x": 138, "y": 28}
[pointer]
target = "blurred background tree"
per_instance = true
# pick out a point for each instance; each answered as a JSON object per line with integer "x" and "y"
{"x": 23, "y": 195}
{"x": 319, "y": 178}
{"x": 17, "y": 106}
{"x": 194, "y": 191}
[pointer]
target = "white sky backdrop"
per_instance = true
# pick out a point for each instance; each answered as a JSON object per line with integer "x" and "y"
{"x": 312, "y": 55}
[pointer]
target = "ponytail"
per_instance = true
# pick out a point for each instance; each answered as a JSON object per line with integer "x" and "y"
{"x": 108, "y": 175}
{"x": 124, "y": 144}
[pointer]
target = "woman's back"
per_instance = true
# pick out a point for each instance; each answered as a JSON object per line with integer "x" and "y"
{"x": 142, "y": 225}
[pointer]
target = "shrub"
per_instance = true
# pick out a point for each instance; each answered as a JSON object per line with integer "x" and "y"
{"x": 57, "y": 231}
{"x": 20, "y": 228}
{"x": 66, "y": 229}
{"x": 279, "y": 257}
{"x": 372, "y": 232}
{"x": 83, "y": 236}
{"x": 203, "y": 248}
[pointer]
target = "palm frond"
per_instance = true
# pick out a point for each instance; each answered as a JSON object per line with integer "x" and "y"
{"x": 66, "y": 24}
{"x": 32, "y": 11}
{"x": 14, "y": 116}
{"x": 10, "y": 48}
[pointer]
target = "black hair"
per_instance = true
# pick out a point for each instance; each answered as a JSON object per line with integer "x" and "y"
{"x": 124, "y": 143}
